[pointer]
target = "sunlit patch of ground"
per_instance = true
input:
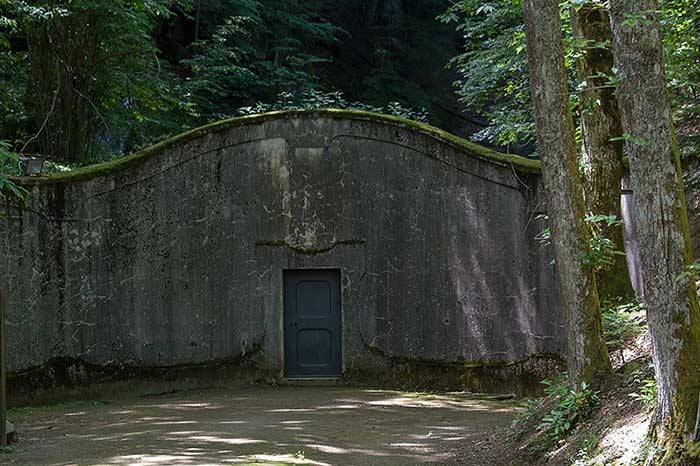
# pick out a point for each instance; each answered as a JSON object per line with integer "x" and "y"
{"x": 624, "y": 440}
{"x": 315, "y": 426}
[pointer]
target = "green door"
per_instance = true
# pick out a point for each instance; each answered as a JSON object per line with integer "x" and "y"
{"x": 312, "y": 323}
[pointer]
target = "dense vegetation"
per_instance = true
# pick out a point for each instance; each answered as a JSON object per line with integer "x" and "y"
{"x": 152, "y": 68}
{"x": 493, "y": 73}
{"x": 89, "y": 79}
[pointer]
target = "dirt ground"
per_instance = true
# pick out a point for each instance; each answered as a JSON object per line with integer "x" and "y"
{"x": 263, "y": 426}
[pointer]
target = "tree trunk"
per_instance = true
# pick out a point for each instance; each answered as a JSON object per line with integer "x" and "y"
{"x": 197, "y": 15}
{"x": 661, "y": 224}
{"x": 587, "y": 355}
{"x": 63, "y": 50}
{"x": 601, "y": 154}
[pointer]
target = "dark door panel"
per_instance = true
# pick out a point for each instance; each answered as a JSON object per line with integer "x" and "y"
{"x": 312, "y": 323}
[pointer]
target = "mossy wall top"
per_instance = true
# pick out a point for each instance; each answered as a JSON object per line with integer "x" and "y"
{"x": 175, "y": 255}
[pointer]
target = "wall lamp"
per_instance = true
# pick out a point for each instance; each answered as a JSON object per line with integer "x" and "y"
{"x": 31, "y": 166}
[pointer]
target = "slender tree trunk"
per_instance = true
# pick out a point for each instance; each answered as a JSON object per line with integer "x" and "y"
{"x": 197, "y": 14}
{"x": 662, "y": 226}
{"x": 587, "y": 356}
{"x": 601, "y": 154}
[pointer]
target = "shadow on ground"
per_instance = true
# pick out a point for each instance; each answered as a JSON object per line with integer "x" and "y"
{"x": 259, "y": 425}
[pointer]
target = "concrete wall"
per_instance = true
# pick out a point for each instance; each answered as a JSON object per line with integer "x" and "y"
{"x": 175, "y": 256}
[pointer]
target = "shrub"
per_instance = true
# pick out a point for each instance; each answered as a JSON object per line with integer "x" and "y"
{"x": 647, "y": 393}
{"x": 573, "y": 407}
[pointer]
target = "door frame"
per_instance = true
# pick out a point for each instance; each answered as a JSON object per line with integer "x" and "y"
{"x": 282, "y": 327}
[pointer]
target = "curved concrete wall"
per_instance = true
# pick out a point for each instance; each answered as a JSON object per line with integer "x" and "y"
{"x": 176, "y": 255}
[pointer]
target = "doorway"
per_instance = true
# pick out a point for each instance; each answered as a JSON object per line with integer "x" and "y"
{"x": 312, "y": 323}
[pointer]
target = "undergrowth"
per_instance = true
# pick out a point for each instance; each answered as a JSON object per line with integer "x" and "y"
{"x": 622, "y": 323}
{"x": 584, "y": 427}
{"x": 554, "y": 416}
{"x": 646, "y": 394}
{"x": 573, "y": 406}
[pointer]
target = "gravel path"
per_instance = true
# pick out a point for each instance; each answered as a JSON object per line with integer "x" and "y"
{"x": 263, "y": 426}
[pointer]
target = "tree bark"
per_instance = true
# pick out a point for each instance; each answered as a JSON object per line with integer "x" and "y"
{"x": 587, "y": 355}
{"x": 662, "y": 226}
{"x": 64, "y": 52}
{"x": 601, "y": 154}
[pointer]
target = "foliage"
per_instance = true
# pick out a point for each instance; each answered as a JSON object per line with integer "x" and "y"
{"x": 557, "y": 387}
{"x": 585, "y": 454}
{"x": 312, "y": 99}
{"x": 622, "y": 322}
{"x": 493, "y": 73}
{"x": 493, "y": 78}
{"x": 12, "y": 74}
{"x": 270, "y": 48}
{"x": 632, "y": 139}
{"x": 681, "y": 34}
{"x": 599, "y": 252}
{"x": 89, "y": 81}
{"x": 691, "y": 272}
{"x": 8, "y": 158}
{"x": 259, "y": 51}
{"x": 8, "y": 162}
{"x": 573, "y": 406}
{"x": 557, "y": 414}
{"x": 646, "y": 394}
{"x": 531, "y": 408}
{"x": 544, "y": 236}
{"x": 157, "y": 67}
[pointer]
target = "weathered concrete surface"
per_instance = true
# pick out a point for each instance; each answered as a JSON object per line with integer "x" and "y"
{"x": 264, "y": 426}
{"x": 176, "y": 257}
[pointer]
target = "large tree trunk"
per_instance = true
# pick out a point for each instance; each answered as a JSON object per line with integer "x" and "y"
{"x": 601, "y": 153}
{"x": 661, "y": 224}
{"x": 587, "y": 355}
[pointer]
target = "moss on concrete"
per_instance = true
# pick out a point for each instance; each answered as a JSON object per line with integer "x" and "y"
{"x": 61, "y": 379}
{"x": 521, "y": 376}
{"x": 467, "y": 147}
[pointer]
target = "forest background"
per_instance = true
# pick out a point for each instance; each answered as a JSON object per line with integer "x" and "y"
{"x": 88, "y": 80}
